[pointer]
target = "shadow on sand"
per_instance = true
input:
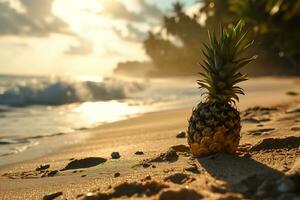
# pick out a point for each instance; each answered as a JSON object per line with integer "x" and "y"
{"x": 246, "y": 175}
{"x": 242, "y": 174}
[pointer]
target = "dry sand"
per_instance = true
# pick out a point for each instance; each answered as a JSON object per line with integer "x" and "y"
{"x": 155, "y": 164}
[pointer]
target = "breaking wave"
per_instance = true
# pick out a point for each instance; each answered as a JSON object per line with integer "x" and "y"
{"x": 58, "y": 92}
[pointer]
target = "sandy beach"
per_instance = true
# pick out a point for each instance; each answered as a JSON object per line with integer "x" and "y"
{"x": 154, "y": 162}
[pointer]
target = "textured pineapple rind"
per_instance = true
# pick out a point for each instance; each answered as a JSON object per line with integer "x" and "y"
{"x": 213, "y": 128}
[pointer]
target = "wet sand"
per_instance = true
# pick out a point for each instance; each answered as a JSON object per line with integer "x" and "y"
{"x": 155, "y": 163}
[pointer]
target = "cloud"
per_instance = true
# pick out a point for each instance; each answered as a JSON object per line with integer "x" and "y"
{"x": 133, "y": 34}
{"x": 83, "y": 48}
{"x": 146, "y": 12}
{"x": 150, "y": 11}
{"x": 36, "y": 20}
{"x": 133, "y": 19}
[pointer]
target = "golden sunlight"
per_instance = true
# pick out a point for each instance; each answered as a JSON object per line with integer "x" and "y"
{"x": 93, "y": 112}
{"x": 78, "y": 13}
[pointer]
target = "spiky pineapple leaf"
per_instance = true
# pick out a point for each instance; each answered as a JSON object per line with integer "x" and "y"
{"x": 222, "y": 64}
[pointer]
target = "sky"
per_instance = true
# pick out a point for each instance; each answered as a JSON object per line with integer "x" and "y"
{"x": 75, "y": 37}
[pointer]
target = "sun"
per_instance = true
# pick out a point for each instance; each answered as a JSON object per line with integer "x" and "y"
{"x": 78, "y": 14}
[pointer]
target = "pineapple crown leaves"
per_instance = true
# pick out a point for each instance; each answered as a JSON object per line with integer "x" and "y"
{"x": 222, "y": 64}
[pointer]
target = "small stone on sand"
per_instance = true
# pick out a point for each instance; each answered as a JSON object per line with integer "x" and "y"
{"x": 117, "y": 174}
{"x": 292, "y": 93}
{"x": 139, "y": 153}
{"x": 178, "y": 178}
{"x": 193, "y": 169}
{"x": 52, "y": 173}
{"x": 146, "y": 165}
{"x": 115, "y": 155}
{"x": 42, "y": 167}
{"x": 295, "y": 128}
{"x": 181, "y": 134}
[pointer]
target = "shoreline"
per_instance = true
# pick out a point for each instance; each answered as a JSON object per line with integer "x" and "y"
{"x": 90, "y": 135}
{"x": 153, "y": 134}
{"x": 87, "y": 134}
{"x": 261, "y": 95}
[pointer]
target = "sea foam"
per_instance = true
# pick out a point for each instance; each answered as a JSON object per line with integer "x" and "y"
{"x": 60, "y": 91}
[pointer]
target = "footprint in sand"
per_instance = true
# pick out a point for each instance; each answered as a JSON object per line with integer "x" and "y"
{"x": 84, "y": 163}
{"x": 179, "y": 178}
{"x": 277, "y": 143}
{"x": 127, "y": 190}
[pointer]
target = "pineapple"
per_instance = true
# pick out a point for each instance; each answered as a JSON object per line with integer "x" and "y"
{"x": 215, "y": 123}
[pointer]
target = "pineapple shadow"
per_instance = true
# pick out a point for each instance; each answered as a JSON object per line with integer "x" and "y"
{"x": 239, "y": 172}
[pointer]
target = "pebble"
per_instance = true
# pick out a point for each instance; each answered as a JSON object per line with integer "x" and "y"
{"x": 146, "y": 165}
{"x": 117, "y": 174}
{"x": 181, "y": 134}
{"x": 42, "y": 167}
{"x": 193, "y": 169}
{"x": 115, "y": 155}
{"x": 139, "y": 153}
{"x": 295, "y": 129}
{"x": 83, "y": 175}
{"x": 52, "y": 173}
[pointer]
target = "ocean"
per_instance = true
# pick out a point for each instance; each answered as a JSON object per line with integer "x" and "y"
{"x": 41, "y": 114}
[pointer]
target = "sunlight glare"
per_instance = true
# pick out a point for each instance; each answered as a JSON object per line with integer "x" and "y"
{"x": 93, "y": 112}
{"x": 78, "y": 13}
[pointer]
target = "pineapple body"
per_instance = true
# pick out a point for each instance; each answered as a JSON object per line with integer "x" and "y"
{"x": 215, "y": 123}
{"x": 213, "y": 128}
